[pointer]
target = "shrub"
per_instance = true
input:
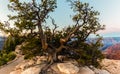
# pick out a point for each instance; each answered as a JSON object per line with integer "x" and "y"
{"x": 4, "y": 58}
{"x": 2, "y": 61}
{"x": 89, "y": 54}
{"x": 11, "y": 42}
{"x": 32, "y": 48}
{"x": 11, "y": 56}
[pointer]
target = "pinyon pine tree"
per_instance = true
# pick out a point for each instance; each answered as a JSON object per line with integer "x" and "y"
{"x": 30, "y": 19}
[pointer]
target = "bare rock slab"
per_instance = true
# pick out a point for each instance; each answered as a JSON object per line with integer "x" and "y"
{"x": 86, "y": 70}
{"x": 32, "y": 70}
{"x": 16, "y": 72}
{"x": 67, "y": 68}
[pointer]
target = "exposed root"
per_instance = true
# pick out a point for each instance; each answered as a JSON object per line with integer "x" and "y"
{"x": 45, "y": 68}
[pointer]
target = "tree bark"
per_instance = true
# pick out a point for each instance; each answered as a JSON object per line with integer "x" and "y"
{"x": 42, "y": 37}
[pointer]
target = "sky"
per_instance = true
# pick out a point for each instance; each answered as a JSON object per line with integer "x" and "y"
{"x": 109, "y": 14}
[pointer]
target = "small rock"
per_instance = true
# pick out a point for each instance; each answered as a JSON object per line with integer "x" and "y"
{"x": 38, "y": 61}
{"x": 31, "y": 62}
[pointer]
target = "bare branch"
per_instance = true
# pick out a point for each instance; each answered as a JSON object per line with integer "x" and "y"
{"x": 55, "y": 26}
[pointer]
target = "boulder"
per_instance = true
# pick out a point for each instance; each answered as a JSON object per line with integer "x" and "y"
{"x": 67, "y": 68}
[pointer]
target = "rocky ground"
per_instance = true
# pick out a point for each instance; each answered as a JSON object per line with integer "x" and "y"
{"x": 6, "y": 69}
{"x": 35, "y": 65}
{"x": 112, "y": 66}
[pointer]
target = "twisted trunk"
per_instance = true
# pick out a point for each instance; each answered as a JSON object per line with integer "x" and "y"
{"x": 42, "y": 37}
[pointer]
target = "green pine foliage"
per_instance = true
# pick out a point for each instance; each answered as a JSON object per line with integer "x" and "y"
{"x": 31, "y": 48}
{"x": 90, "y": 55}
